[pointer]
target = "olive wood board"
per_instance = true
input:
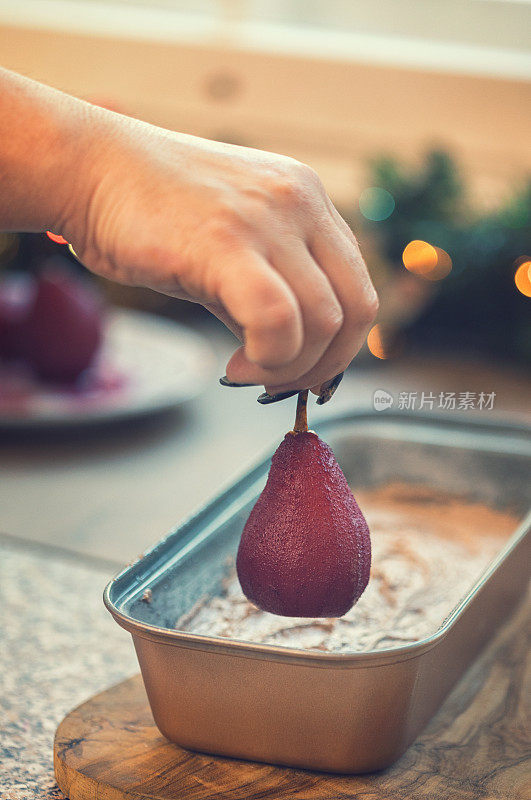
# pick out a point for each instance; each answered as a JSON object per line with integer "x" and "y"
{"x": 477, "y": 746}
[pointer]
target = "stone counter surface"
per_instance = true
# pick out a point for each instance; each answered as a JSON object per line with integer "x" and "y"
{"x": 58, "y": 646}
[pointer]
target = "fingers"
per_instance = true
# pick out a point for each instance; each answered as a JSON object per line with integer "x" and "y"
{"x": 341, "y": 260}
{"x": 219, "y": 312}
{"x": 321, "y": 312}
{"x": 262, "y": 304}
{"x": 343, "y": 226}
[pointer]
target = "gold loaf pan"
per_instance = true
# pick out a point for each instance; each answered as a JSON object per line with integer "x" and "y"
{"x": 336, "y": 712}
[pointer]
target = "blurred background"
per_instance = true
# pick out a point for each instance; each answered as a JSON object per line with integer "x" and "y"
{"x": 416, "y": 114}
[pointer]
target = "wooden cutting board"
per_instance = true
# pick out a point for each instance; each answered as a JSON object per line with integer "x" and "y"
{"x": 476, "y": 747}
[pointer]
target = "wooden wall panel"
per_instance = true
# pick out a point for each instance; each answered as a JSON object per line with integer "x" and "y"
{"x": 333, "y": 114}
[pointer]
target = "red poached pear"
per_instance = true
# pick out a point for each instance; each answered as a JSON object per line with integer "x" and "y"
{"x": 305, "y": 550}
{"x": 64, "y": 328}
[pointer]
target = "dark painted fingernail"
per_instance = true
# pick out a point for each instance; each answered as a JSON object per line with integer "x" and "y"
{"x": 225, "y": 382}
{"x": 266, "y": 399}
{"x": 328, "y": 389}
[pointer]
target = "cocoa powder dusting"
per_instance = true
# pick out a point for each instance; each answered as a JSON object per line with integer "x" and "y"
{"x": 429, "y": 548}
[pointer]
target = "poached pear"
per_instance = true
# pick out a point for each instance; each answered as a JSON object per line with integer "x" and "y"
{"x": 305, "y": 550}
{"x": 63, "y": 330}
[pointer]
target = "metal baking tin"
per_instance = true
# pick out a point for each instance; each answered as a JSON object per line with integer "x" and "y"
{"x": 346, "y": 713}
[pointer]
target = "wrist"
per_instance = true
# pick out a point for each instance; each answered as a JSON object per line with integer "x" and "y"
{"x": 93, "y": 145}
{"x": 67, "y": 175}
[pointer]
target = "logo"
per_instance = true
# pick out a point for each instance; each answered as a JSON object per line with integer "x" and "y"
{"x": 382, "y": 400}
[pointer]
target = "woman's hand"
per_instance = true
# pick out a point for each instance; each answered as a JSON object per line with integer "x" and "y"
{"x": 250, "y": 235}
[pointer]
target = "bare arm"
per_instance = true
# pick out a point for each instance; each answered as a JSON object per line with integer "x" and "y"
{"x": 250, "y": 235}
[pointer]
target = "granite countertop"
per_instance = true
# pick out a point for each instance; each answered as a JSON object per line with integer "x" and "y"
{"x": 58, "y": 647}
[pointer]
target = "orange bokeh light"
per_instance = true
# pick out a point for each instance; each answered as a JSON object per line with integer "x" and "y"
{"x": 375, "y": 342}
{"x": 426, "y": 261}
{"x": 55, "y": 237}
{"x": 522, "y": 278}
{"x": 419, "y": 257}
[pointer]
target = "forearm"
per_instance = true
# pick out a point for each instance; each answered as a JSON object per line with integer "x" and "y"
{"x": 41, "y": 143}
{"x": 250, "y": 235}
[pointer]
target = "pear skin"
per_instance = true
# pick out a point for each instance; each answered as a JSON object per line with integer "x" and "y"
{"x": 64, "y": 329}
{"x": 305, "y": 550}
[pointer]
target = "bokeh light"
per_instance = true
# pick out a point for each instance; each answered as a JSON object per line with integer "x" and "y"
{"x": 443, "y": 268}
{"x": 376, "y": 203}
{"x": 426, "y": 261}
{"x": 419, "y": 257}
{"x": 522, "y": 278}
{"x": 74, "y": 252}
{"x": 375, "y": 342}
{"x": 55, "y": 237}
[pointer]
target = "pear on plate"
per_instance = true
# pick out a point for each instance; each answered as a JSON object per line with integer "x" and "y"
{"x": 63, "y": 330}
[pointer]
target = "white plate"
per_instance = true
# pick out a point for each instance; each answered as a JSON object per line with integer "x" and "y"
{"x": 147, "y": 365}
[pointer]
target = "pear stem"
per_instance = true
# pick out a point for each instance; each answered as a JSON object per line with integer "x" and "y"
{"x": 301, "y": 418}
